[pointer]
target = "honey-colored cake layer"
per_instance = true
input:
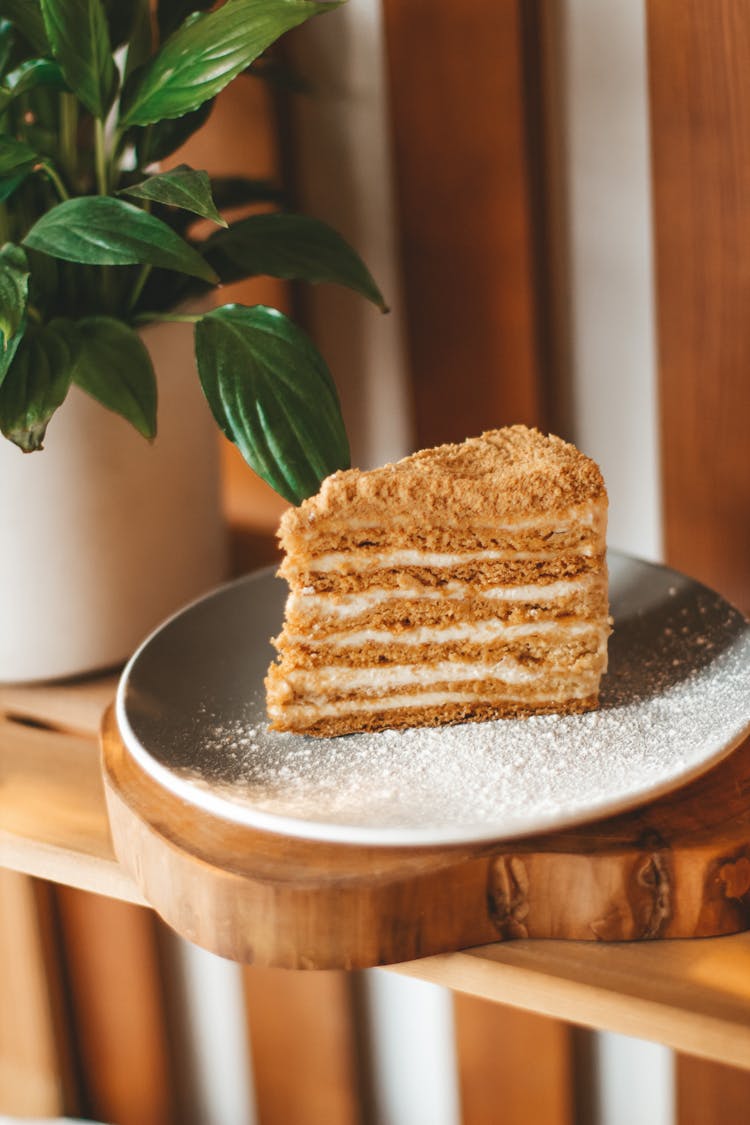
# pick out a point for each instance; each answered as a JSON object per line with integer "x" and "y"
{"x": 417, "y": 591}
{"x": 308, "y": 602}
{"x": 559, "y": 650}
{"x": 563, "y": 533}
{"x": 401, "y": 614}
{"x": 489, "y": 632}
{"x": 559, "y": 687}
{"x": 372, "y": 558}
{"x": 476, "y": 573}
{"x": 505, "y": 475}
{"x": 315, "y": 685}
{"x": 398, "y": 718}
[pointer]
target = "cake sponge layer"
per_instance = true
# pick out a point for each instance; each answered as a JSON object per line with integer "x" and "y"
{"x": 512, "y": 473}
{"x": 441, "y": 714}
{"x": 465, "y": 582}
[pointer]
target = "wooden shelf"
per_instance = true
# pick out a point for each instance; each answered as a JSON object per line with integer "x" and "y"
{"x": 691, "y": 995}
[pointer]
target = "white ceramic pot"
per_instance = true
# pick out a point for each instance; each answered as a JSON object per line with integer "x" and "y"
{"x": 102, "y": 534}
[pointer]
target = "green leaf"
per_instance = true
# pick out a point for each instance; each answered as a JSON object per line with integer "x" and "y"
{"x": 15, "y": 155}
{"x": 289, "y": 246}
{"x": 26, "y": 16}
{"x": 17, "y": 161}
{"x": 44, "y": 282}
{"x": 14, "y": 288}
{"x": 180, "y": 187}
{"x": 273, "y": 396}
{"x": 37, "y": 383}
{"x": 7, "y": 42}
{"x": 9, "y": 184}
{"x": 33, "y": 73}
{"x": 102, "y": 231}
{"x": 156, "y": 142}
{"x": 171, "y": 13}
{"x": 113, "y": 366}
{"x": 78, "y": 33}
{"x": 229, "y": 191}
{"x": 206, "y": 53}
{"x": 139, "y": 39}
{"x": 14, "y": 285}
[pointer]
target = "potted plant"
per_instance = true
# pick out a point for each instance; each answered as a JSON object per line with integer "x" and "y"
{"x": 97, "y": 246}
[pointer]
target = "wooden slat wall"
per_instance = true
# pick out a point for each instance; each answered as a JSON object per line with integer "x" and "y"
{"x": 119, "y": 1020}
{"x": 699, "y": 56}
{"x": 303, "y": 1046}
{"x": 36, "y": 1072}
{"x": 462, "y": 182}
{"x": 301, "y": 1026}
{"x": 497, "y": 1080}
{"x": 469, "y": 232}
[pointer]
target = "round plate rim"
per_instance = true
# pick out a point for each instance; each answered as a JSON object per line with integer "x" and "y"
{"x": 330, "y": 832}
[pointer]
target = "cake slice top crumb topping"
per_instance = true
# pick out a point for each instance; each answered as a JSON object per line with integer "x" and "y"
{"x": 510, "y": 473}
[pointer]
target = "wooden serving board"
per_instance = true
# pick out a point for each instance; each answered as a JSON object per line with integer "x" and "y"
{"x": 678, "y": 867}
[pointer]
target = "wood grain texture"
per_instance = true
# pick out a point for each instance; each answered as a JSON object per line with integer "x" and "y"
{"x": 457, "y": 120}
{"x": 114, "y": 980}
{"x": 679, "y": 867}
{"x": 708, "y": 1092}
{"x": 36, "y": 1073}
{"x": 495, "y": 1044}
{"x": 690, "y": 995}
{"x": 53, "y": 820}
{"x": 302, "y": 1039}
{"x": 700, "y": 125}
{"x": 75, "y": 707}
{"x": 467, "y": 128}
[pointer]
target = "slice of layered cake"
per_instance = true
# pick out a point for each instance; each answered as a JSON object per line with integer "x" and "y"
{"x": 463, "y": 583}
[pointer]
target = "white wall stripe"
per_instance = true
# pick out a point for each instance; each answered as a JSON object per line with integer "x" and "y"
{"x": 612, "y": 290}
{"x": 634, "y": 1081}
{"x": 413, "y": 1063}
{"x": 614, "y": 378}
{"x": 207, "y": 1010}
{"x": 343, "y": 152}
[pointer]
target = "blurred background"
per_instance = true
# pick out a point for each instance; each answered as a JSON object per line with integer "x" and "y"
{"x": 552, "y": 196}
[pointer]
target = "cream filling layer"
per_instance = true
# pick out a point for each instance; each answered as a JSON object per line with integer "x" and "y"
{"x": 477, "y": 632}
{"x": 351, "y": 561}
{"x": 421, "y": 699}
{"x": 506, "y": 671}
{"x": 582, "y": 514}
{"x": 345, "y": 606}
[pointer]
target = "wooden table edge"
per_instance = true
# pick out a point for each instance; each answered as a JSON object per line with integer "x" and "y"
{"x": 598, "y": 1008}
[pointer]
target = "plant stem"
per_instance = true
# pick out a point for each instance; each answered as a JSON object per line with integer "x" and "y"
{"x": 140, "y": 281}
{"x": 101, "y": 156}
{"x": 69, "y": 135}
{"x": 59, "y": 185}
{"x": 171, "y": 318}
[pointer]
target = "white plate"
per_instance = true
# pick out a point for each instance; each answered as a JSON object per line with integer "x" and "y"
{"x": 191, "y": 711}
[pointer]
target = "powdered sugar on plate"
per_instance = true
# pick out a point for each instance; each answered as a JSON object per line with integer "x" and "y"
{"x": 676, "y": 699}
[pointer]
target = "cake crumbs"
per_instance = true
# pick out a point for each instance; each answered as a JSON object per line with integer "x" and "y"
{"x": 671, "y": 703}
{"x": 503, "y": 776}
